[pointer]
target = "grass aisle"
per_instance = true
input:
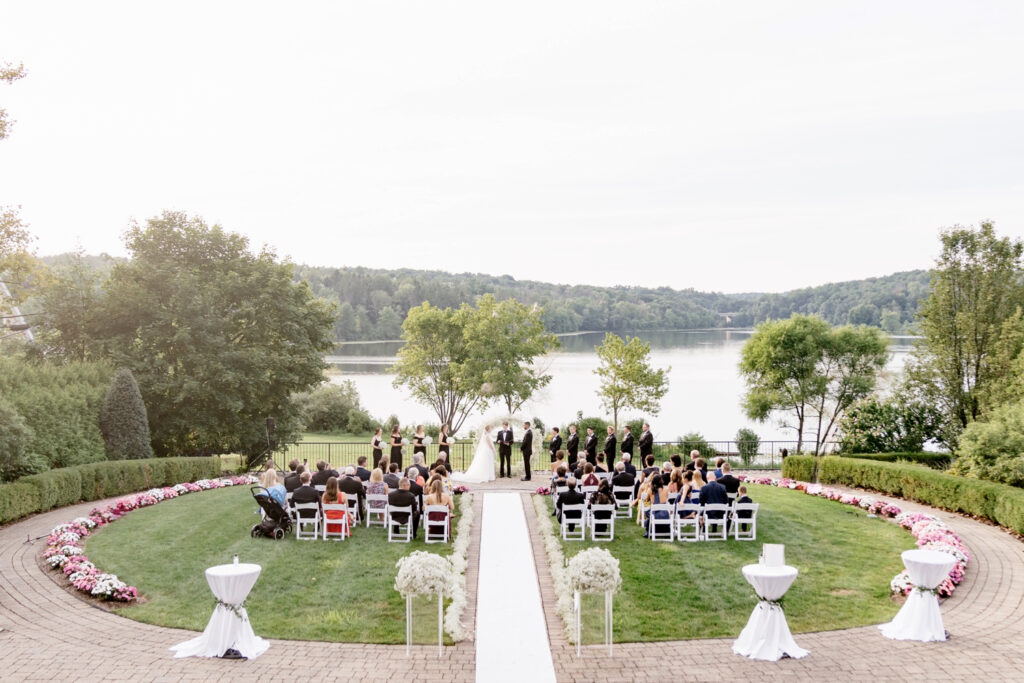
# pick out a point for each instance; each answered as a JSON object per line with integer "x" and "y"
{"x": 674, "y": 591}
{"x": 308, "y": 590}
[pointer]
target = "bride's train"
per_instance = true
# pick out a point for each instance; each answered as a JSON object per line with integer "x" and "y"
{"x": 481, "y": 469}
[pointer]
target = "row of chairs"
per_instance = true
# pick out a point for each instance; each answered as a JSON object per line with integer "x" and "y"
{"x": 311, "y": 522}
{"x": 711, "y": 522}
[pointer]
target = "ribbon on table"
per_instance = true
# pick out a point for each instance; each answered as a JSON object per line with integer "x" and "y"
{"x": 770, "y": 603}
{"x": 238, "y": 610}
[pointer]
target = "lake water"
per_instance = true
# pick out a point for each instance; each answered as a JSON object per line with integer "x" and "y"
{"x": 705, "y": 388}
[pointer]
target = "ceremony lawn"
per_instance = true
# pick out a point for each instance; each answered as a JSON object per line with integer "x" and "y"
{"x": 308, "y": 590}
{"x": 679, "y": 590}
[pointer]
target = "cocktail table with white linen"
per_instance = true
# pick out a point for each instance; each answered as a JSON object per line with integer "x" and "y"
{"x": 766, "y": 635}
{"x": 920, "y": 618}
{"x": 229, "y": 625}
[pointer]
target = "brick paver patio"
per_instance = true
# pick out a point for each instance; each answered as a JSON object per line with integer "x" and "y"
{"x": 47, "y": 633}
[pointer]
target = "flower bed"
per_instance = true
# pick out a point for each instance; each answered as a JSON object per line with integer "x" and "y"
{"x": 559, "y": 574}
{"x": 931, "y": 534}
{"x": 64, "y": 544}
{"x": 460, "y": 548}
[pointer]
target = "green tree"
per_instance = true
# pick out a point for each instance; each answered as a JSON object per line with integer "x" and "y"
{"x": 8, "y": 74}
{"x": 891, "y": 322}
{"x": 217, "y": 337}
{"x": 898, "y": 424}
{"x": 16, "y": 458}
{"x": 813, "y": 372}
{"x": 333, "y": 408}
{"x": 747, "y": 443}
{"x": 994, "y": 449}
{"x": 503, "y": 342}
{"x": 628, "y": 382}
{"x": 975, "y": 288}
{"x": 123, "y": 419}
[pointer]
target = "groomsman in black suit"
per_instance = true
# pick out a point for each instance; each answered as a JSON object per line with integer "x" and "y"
{"x": 646, "y": 443}
{"x": 556, "y": 443}
{"x": 572, "y": 447}
{"x": 527, "y": 448}
{"x": 590, "y": 446}
{"x": 627, "y": 441}
{"x": 609, "y": 445}
{"x": 505, "y": 449}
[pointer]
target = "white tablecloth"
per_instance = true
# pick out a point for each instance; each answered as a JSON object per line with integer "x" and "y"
{"x": 920, "y": 618}
{"x": 230, "y": 584}
{"x": 766, "y": 635}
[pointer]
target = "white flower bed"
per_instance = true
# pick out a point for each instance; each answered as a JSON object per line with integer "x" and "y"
{"x": 559, "y": 576}
{"x": 453, "y": 625}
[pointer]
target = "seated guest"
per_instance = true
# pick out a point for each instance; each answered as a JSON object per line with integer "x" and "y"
{"x": 392, "y": 477}
{"x": 589, "y": 478}
{"x": 274, "y": 488}
{"x": 600, "y": 464}
{"x": 687, "y": 495}
{"x": 649, "y": 468}
{"x": 713, "y": 493}
{"x": 700, "y": 465}
{"x": 731, "y": 483}
{"x": 437, "y": 496}
{"x": 332, "y": 496}
{"x": 621, "y": 476}
{"x": 361, "y": 471}
{"x": 559, "y": 477}
{"x": 675, "y": 484}
{"x": 692, "y": 465}
{"x": 377, "y": 487}
{"x": 666, "y": 472}
{"x": 742, "y": 500}
{"x": 322, "y": 474}
{"x": 417, "y": 462}
{"x": 351, "y": 485}
{"x": 415, "y": 486}
{"x": 570, "y": 497}
{"x": 602, "y": 497}
{"x": 291, "y": 480}
{"x": 305, "y": 494}
{"x": 404, "y": 498}
{"x": 657, "y": 497}
{"x": 578, "y": 472}
{"x": 559, "y": 461}
{"x": 696, "y": 484}
{"x": 677, "y": 461}
{"x": 718, "y": 467}
{"x": 627, "y": 462}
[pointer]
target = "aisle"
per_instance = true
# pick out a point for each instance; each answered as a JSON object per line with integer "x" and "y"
{"x": 511, "y": 633}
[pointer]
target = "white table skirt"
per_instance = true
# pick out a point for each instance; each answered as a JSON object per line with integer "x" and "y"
{"x": 766, "y": 635}
{"x": 920, "y": 617}
{"x": 230, "y": 584}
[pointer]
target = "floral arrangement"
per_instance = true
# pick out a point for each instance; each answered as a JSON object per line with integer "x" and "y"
{"x": 453, "y": 625}
{"x": 559, "y": 576}
{"x": 594, "y": 571}
{"x": 64, "y": 544}
{"x": 459, "y": 490}
{"x": 543, "y": 491}
{"x": 930, "y": 532}
{"x": 423, "y": 573}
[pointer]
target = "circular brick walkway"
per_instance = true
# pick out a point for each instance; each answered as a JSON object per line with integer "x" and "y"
{"x": 47, "y": 633}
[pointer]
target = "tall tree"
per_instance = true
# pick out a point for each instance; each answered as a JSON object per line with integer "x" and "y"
{"x": 628, "y": 381}
{"x": 976, "y": 288}
{"x": 811, "y": 371}
{"x": 504, "y": 340}
{"x": 217, "y": 337}
{"x": 123, "y": 419}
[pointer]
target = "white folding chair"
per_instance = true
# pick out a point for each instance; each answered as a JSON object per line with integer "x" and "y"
{"x": 576, "y": 515}
{"x": 602, "y": 476}
{"x": 732, "y": 498}
{"x": 750, "y": 534}
{"x": 341, "y": 523}
{"x": 642, "y": 508}
{"x": 380, "y": 512}
{"x": 715, "y": 527}
{"x": 353, "y": 506}
{"x": 398, "y": 531}
{"x": 320, "y": 488}
{"x": 559, "y": 490}
{"x": 688, "y": 522}
{"x": 661, "y": 521}
{"x": 301, "y": 522}
{"x": 588, "y": 491}
{"x": 622, "y": 502}
{"x": 607, "y": 521}
{"x": 288, "y": 507}
{"x": 435, "y": 530}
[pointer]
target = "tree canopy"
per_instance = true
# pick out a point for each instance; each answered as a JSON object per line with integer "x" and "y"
{"x": 628, "y": 381}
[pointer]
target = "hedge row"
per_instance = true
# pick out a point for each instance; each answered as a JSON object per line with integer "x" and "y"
{"x": 799, "y": 467}
{"x": 937, "y": 461}
{"x": 93, "y": 481}
{"x": 998, "y": 503}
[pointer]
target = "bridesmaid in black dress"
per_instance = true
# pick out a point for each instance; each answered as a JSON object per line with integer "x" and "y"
{"x": 417, "y": 442}
{"x": 378, "y": 448}
{"x": 396, "y": 447}
{"x": 444, "y": 447}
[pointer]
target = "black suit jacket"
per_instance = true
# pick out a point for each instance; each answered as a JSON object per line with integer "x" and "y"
{"x": 743, "y": 500}
{"x": 505, "y": 440}
{"x": 403, "y": 499}
{"x": 417, "y": 491}
{"x": 627, "y": 444}
{"x": 570, "y": 497}
{"x": 623, "y": 479}
{"x": 291, "y": 482}
{"x": 305, "y": 494}
{"x": 556, "y": 444}
{"x": 631, "y": 469}
{"x": 572, "y": 445}
{"x": 713, "y": 493}
{"x": 363, "y": 473}
{"x": 320, "y": 477}
{"x": 590, "y": 446}
{"x": 424, "y": 472}
{"x": 351, "y": 486}
{"x": 391, "y": 479}
{"x": 731, "y": 483}
{"x": 646, "y": 444}
{"x": 609, "y": 448}
{"x": 527, "y": 445}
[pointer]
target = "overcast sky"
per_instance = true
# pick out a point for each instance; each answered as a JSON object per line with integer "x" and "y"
{"x": 728, "y": 146}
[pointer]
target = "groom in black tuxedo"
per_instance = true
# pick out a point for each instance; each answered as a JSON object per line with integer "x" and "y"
{"x": 556, "y": 443}
{"x": 572, "y": 447}
{"x": 527, "y": 449}
{"x": 505, "y": 449}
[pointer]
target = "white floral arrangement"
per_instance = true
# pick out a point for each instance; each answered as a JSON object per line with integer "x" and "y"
{"x": 423, "y": 573}
{"x": 108, "y": 585}
{"x": 427, "y": 441}
{"x": 453, "y": 625}
{"x": 556, "y": 561}
{"x": 594, "y": 571}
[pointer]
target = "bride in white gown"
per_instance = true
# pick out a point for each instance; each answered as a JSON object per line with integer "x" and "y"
{"x": 482, "y": 467}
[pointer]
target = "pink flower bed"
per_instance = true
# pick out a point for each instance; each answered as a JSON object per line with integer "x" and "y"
{"x": 930, "y": 532}
{"x": 64, "y": 545}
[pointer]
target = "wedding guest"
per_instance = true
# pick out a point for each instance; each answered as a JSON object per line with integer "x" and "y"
{"x": 627, "y": 441}
{"x": 675, "y": 484}
{"x": 377, "y": 487}
{"x": 418, "y": 447}
{"x": 666, "y": 472}
{"x": 558, "y": 479}
{"x": 274, "y": 487}
{"x": 392, "y": 477}
{"x": 642, "y": 499}
{"x": 589, "y": 478}
{"x": 570, "y": 497}
{"x": 559, "y": 461}
{"x": 361, "y": 471}
{"x": 687, "y": 495}
{"x": 719, "y": 461}
{"x": 437, "y": 496}
{"x": 701, "y": 465}
{"x": 627, "y": 462}
{"x": 377, "y": 444}
{"x": 291, "y": 480}
{"x": 322, "y": 474}
{"x": 396, "y": 446}
{"x": 353, "y": 486}
{"x": 622, "y": 477}
{"x": 305, "y": 494}
{"x": 677, "y": 460}
{"x": 713, "y": 493}
{"x": 402, "y": 498}
{"x": 572, "y": 447}
{"x": 742, "y": 500}
{"x": 697, "y": 483}
{"x": 657, "y": 497}
{"x": 417, "y": 462}
{"x": 646, "y": 442}
{"x": 415, "y": 486}
{"x": 609, "y": 444}
{"x": 649, "y": 468}
{"x": 444, "y": 447}
{"x": 603, "y": 496}
{"x": 555, "y": 445}
{"x": 731, "y": 483}
{"x": 590, "y": 446}
{"x": 332, "y": 496}
{"x": 694, "y": 454}
{"x": 599, "y": 467}
{"x": 578, "y": 472}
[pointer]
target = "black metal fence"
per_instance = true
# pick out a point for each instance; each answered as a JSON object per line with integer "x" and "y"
{"x": 765, "y": 455}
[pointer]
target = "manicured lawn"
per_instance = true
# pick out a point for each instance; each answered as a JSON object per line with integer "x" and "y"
{"x": 673, "y": 591}
{"x": 309, "y": 590}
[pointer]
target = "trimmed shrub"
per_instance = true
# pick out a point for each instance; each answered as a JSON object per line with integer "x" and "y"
{"x": 15, "y": 437}
{"x": 123, "y": 419}
{"x": 994, "y": 450}
{"x": 57, "y": 488}
{"x": 799, "y": 467}
{"x": 937, "y": 461}
{"x": 17, "y": 500}
{"x": 998, "y": 503}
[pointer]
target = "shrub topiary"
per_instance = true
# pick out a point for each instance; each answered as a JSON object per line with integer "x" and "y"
{"x": 800, "y": 467}
{"x": 16, "y": 460}
{"x": 123, "y": 420}
{"x": 747, "y": 443}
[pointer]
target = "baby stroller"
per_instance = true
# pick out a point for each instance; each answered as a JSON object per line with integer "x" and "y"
{"x": 276, "y": 523}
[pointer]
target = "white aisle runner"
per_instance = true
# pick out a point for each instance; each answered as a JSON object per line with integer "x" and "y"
{"x": 511, "y": 633}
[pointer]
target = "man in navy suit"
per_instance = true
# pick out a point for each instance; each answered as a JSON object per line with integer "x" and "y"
{"x": 713, "y": 493}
